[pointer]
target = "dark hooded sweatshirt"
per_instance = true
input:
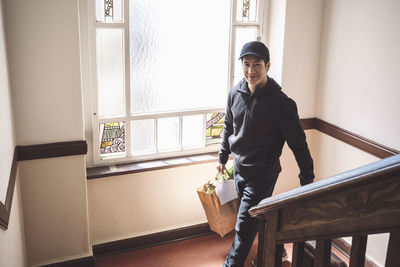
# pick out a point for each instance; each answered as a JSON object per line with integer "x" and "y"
{"x": 256, "y": 128}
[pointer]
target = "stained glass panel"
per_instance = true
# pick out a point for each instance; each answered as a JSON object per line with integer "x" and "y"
{"x": 109, "y": 10}
{"x": 112, "y": 138}
{"x": 246, "y": 10}
{"x": 214, "y": 127}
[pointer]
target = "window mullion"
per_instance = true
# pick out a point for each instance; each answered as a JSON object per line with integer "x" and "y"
{"x": 128, "y": 136}
{"x": 180, "y": 133}
{"x": 245, "y": 23}
{"x": 231, "y": 47}
{"x": 264, "y": 21}
{"x": 96, "y": 140}
{"x": 204, "y": 128}
{"x": 111, "y": 119}
{"x": 156, "y": 135}
{"x": 259, "y": 19}
{"x": 93, "y": 81}
{"x": 110, "y": 24}
{"x": 232, "y": 57}
{"x": 177, "y": 113}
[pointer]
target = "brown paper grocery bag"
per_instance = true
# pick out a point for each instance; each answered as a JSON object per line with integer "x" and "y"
{"x": 222, "y": 219}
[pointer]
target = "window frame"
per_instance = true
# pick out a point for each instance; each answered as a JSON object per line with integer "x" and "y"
{"x": 96, "y": 120}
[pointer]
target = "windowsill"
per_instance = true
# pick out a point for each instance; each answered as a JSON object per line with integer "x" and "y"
{"x": 128, "y": 168}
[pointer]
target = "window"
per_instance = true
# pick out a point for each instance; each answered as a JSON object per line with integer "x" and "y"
{"x": 160, "y": 74}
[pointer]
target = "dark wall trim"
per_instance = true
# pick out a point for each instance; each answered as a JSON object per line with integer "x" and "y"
{"x": 150, "y": 240}
{"x": 308, "y": 124}
{"x": 355, "y": 140}
{"x": 52, "y": 150}
{"x": 81, "y": 262}
{"x": 5, "y": 208}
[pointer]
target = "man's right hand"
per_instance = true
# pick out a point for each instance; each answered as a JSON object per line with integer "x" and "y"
{"x": 220, "y": 167}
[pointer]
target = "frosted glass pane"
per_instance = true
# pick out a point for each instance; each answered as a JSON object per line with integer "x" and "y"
{"x": 143, "y": 140}
{"x": 193, "y": 131}
{"x": 112, "y": 139}
{"x": 110, "y": 72}
{"x": 243, "y": 35}
{"x": 168, "y": 133}
{"x": 253, "y": 10}
{"x": 109, "y": 10}
{"x": 179, "y": 60}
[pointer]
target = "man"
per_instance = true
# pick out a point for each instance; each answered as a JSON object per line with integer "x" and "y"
{"x": 259, "y": 119}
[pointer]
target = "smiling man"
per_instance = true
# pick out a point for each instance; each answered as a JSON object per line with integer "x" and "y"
{"x": 259, "y": 119}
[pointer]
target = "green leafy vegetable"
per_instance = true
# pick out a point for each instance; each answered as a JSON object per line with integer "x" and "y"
{"x": 209, "y": 187}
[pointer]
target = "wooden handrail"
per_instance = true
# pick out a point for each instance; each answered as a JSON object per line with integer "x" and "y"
{"x": 355, "y": 203}
{"x": 353, "y": 177}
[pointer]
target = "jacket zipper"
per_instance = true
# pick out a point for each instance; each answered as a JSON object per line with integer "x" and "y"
{"x": 246, "y": 123}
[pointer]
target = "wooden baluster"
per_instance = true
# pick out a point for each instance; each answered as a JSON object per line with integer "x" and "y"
{"x": 357, "y": 253}
{"x": 262, "y": 229}
{"x": 393, "y": 252}
{"x": 268, "y": 254}
{"x": 278, "y": 255}
{"x": 298, "y": 254}
{"x": 323, "y": 253}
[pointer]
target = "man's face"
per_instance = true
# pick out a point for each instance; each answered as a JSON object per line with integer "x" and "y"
{"x": 255, "y": 71}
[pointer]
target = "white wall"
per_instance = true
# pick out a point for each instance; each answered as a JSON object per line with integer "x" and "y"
{"x": 334, "y": 157}
{"x": 43, "y": 42}
{"x": 44, "y": 60}
{"x": 276, "y": 36}
{"x": 360, "y": 65}
{"x": 294, "y": 40}
{"x": 7, "y": 133}
{"x": 55, "y": 209}
{"x": 301, "y": 53}
{"x": 12, "y": 240}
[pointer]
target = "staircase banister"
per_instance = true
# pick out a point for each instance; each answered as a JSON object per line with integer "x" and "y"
{"x": 362, "y": 175}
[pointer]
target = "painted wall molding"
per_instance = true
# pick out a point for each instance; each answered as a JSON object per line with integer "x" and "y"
{"x": 5, "y": 208}
{"x": 52, "y": 150}
{"x": 42, "y": 151}
{"x": 353, "y": 139}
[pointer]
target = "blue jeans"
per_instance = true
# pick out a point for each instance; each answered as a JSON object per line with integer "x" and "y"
{"x": 250, "y": 193}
